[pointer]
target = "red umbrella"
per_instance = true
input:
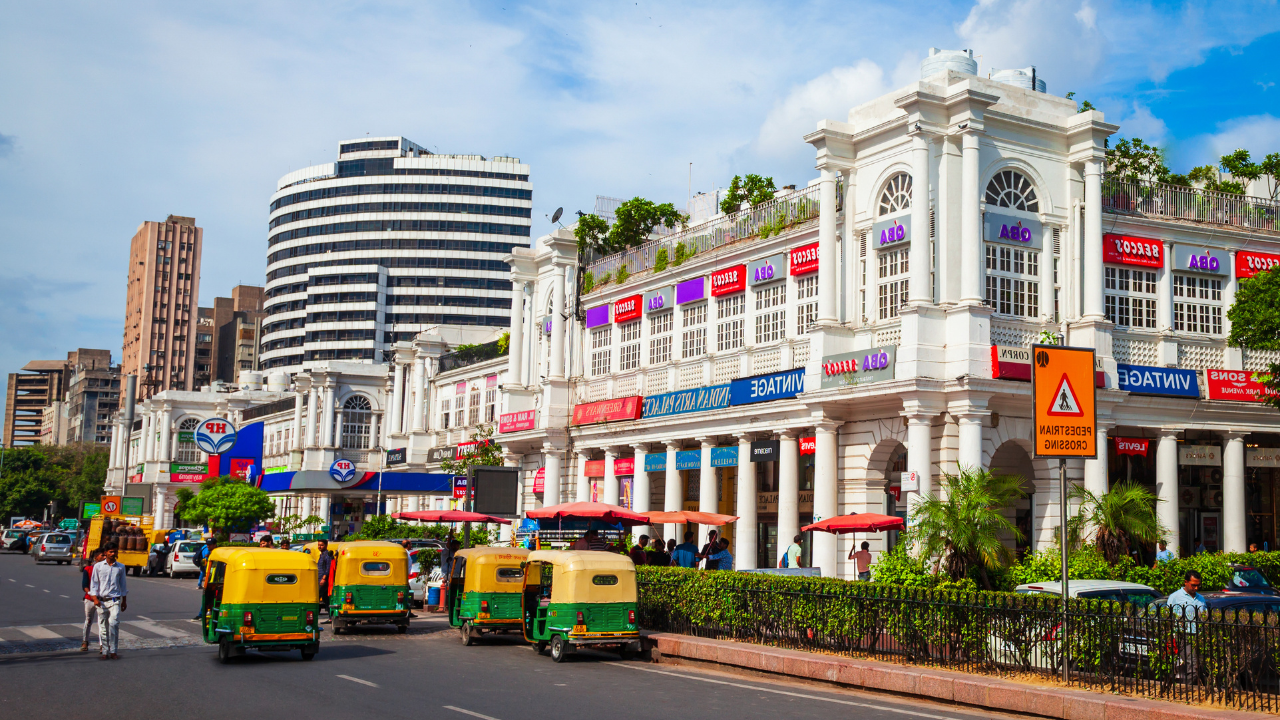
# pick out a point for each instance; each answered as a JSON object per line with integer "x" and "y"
{"x": 449, "y": 516}
{"x": 612, "y": 514}
{"x": 680, "y": 517}
{"x": 861, "y": 522}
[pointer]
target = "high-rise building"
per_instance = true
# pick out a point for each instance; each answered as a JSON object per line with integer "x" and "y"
{"x": 93, "y": 396}
{"x": 384, "y": 242}
{"x": 236, "y": 324}
{"x": 82, "y": 391}
{"x": 160, "y": 305}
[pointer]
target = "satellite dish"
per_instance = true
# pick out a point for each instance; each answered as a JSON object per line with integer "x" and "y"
{"x": 556, "y": 215}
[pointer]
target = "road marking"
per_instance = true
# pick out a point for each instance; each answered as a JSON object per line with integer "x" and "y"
{"x": 358, "y": 680}
{"x": 46, "y": 591}
{"x": 65, "y": 596}
{"x": 158, "y": 629}
{"x": 144, "y": 617}
{"x": 30, "y": 586}
{"x": 468, "y": 712}
{"x": 759, "y": 688}
{"x": 40, "y": 633}
{"x": 12, "y": 580}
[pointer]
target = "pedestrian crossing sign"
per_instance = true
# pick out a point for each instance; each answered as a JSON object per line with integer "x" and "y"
{"x": 1063, "y": 392}
{"x": 1064, "y": 403}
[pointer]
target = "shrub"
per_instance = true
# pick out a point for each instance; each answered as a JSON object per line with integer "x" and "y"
{"x": 623, "y": 274}
{"x": 682, "y": 254}
{"x": 604, "y": 279}
{"x": 660, "y": 260}
{"x": 588, "y": 281}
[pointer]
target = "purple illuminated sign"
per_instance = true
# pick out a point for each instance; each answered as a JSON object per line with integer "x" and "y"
{"x": 598, "y": 315}
{"x": 691, "y": 290}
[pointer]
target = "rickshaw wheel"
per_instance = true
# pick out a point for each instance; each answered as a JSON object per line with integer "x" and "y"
{"x": 467, "y": 639}
{"x": 402, "y": 629}
{"x": 627, "y": 654}
{"x": 308, "y": 654}
{"x": 224, "y": 652}
{"x": 559, "y": 648}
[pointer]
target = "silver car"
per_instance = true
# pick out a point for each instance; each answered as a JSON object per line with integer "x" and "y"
{"x": 56, "y": 547}
{"x": 179, "y": 560}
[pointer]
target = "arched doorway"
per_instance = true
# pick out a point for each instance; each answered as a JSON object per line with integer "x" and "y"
{"x": 1012, "y": 459}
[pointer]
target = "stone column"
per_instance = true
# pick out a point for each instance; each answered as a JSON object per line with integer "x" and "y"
{"x": 160, "y": 511}
{"x": 1093, "y": 241}
{"x": 515, "y": 351}
{"x": 825, "y": 495}
{"x": 674, "y": 498}
{"x": 551, "y": 478}
{"x": 744, "y": 555}
{"x": 584, "y": 483}
{"x": 610, "y": 490}
{"x": 397, "y": 400}
{"x": 166, "y": 434}
{"x": 788, "y": 489}
{"x": 1233, "y": 357}
{"x": 851, "y": 259}
{"x": 640, "y": 489}
{"x": 297, "y": 421}
{"x": 322, "y": 509}
{"x": 329, "y": 413}
{"x": 556, "y": 371}
{"x": 313, "y": 410}
{"x": 1164, "y": 291}
{"x": 375, "y": 424}
{"x": 708, "y": 492}
{"x": 1233, "y": 511}
{"x": 828, "y": 253}
{"x": 970, "y": 455}
{"x": 1167, "y": 487}
{"x": 1096, "y": 473}
{"x": 419, "y": 395}
{"x": 148, "y": 437}
{"x": 113, "y": 458}
{"x": 921, "y": 290}
{"x": 971, "y": 258}
{"x": 920, "y": 454}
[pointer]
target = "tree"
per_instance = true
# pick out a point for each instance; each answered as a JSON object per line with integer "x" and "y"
{"x": 32, "y": 477}
{"x": 634, "y": 220}
{"x": 1135, "y": 161}
{"x": 1241, "y": 166}
{"x": 963, "y": 531}
{"x": 1119, "y": 518}
{"x": 226, "y": 504}
{"x": 290, "y": 524}
{"x": 486, "y": 452}
{"x": 591, "y": 232}
{"x": 1210, "y": 178}
{"x": 752, "y": 189}
{"x": 1255, "y": 321}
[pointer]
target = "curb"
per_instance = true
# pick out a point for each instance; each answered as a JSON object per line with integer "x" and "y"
{"x": 939, "y": 685}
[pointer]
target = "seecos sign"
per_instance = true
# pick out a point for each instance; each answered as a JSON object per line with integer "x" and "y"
{"x": 1249, "y": 264}
{"x": 804, "y": 259}
{"x": 729, "y": 280}
{"x": 1124, "y": 250}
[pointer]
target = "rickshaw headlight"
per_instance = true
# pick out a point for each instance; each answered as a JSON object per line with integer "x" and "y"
{"x": 248, "y": 618}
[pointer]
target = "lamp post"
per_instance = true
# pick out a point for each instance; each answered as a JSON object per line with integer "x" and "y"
{"x": 381, "y": 463}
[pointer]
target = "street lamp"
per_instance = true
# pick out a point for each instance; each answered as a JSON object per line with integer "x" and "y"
{"x": 381, "y": 458}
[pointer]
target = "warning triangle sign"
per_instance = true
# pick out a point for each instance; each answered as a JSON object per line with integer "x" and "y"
{"x": 1063, "y": 402}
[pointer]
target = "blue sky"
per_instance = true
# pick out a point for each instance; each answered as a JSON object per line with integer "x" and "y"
{"x": 117, "y": 113}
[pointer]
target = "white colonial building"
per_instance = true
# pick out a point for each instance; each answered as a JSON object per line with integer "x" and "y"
{"x": 818, "y": 354}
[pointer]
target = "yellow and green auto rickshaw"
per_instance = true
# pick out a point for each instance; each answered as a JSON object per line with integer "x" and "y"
{"x": 261, "y": 598}
{"x": 484, "y": 591}
{"x": 574, "y": 599}
{"x": 369, "y": 583}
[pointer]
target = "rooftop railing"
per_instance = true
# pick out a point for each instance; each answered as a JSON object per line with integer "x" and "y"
{"x": 768, "y": 218}
{"x": 1187, "y": 203}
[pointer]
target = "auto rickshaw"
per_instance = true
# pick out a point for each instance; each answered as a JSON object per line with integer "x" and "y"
{"x": 261, "y": 598}
{"x": 484, "y": 591}
{"x": 369, "y": 583}
{"x": 575, "y": 599}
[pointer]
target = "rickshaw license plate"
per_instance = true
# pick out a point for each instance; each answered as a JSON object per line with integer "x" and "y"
{"x": 295, "y": 617}
{"x": 579, "y": 628}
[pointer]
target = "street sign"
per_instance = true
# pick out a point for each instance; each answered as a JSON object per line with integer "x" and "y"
{"x": 215, "y": 435}
{"x": 69, "y": 524}
{"x": 91, "y": 509}
{"x": 1064, "y": 397}
{"x": 132, "y": 505}
{"x": 110, "y": 504}
{"x": 397, "y": 456}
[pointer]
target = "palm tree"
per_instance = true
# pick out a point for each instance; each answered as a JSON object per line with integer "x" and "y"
{"x": 1117, "y": 519}
{"x": 963, "y": 531}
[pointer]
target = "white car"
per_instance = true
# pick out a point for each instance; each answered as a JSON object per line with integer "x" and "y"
{"x": 180, "y": 558}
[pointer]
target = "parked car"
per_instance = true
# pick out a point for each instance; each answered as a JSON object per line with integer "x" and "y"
{"x": 1115, "y": 590}
{"x": 33, "y": 541}
{"x": 418, "y": 584}
{"x": 58, "y": 547}
{"x": 1245, "y": 579}
{"x": 1135, "y": 647}
{"x": 10, "y": 537}
{"x": 415, "y": 543}
{"x": 179, "y": 561}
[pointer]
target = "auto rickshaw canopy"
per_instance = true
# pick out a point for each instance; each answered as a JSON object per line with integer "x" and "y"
{"x": 370, "y": 562}
{"x": 265, "y": 575}
{"x": 489, "y": 569}
{"x": 587, "y": 576}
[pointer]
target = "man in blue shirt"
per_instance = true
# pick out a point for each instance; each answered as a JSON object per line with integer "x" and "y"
{"x": 722, "y": 558}
{"x": 1164, "y": 555}
{"x": 1188, "y": 604}
{"x": 686, "y": 553}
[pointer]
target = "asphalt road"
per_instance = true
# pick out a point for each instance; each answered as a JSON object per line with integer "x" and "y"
{"x": 427, "y": 673}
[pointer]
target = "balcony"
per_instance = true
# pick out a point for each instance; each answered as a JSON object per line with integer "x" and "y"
{"x": 1178, "y": 202}
{"x": 465, "y": 355}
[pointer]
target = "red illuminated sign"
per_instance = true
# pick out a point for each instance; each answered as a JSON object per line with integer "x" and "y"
{"x": 628, "y": 408}
{"x": 516, "y": 421}
{"x": 729, "y": 280}
{"x": 804, "y": 259}
{"x": 1249, "y": 264}
{"x": 1240, "y": 385}
{"x": 1125, "y": 250}
{"x": 808, "y": 446}
{"x": 540, "y": 480}
{"x": 621, "y": 466}
{"x": 627, "y": 308}
{"x": 1132, "y": 446}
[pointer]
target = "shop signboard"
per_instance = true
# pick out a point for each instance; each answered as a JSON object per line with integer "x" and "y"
{"x": 765, "y": 450}
{"x": 1149, "y": 380}
{"x": 891, "y": 231}
{"x": 1014, "y": 363}
{"x": 687, "y": 401}
{"x": 859, "y": 368}
{"x": 215, "y": 435}
{"x": 762, "y": 388}
{"x": 440, "y": 454}
{"x": 183, "y": 477}
{"x": 627, "y": 408}
{"x": 201, "y": 468}
{"x": 459, "y": 487}
{"x": 1132, "y": 446}
{"x": 689, "y": 460}
{"x": 342, "y": 470}
{"x": 396, "y": 456}
{"x": 659, "y": 300}
{"x": 908, "y": 482}
{"x": 766, "y": 270}
{"x": 540, "y": 480}
{"x": 597, "y": 316}
{"x": 1262, "y": 457}
{"x": 808, "y": 445}
{"x": 1249, "y": 264}
{"x": 516, "y": 421}
{"x": 655, "y": 462}
{"x": 276, "y": 469}
{"x": 1063, "y": 398}
{"x": 691, "y": 290}
{"x": 1189, "y": 258}
{"x": 729, "y": 280}
{"x": 627, "y": 309}
{"x": 1239, "y": 385}
{"x": 1023, "y": 232}
{"x": 1200, "y": 455}
{"x": 621, "y": 466}
{"x": 768, "y": 502}
{"x": 1125, "y": 250}
{"x": 186, "y": 436}
{"x": 804, "y": 259}
{"x": 91, "y": 509}
{"x": 132, "y": 505}
{"x": 724, "y": 456}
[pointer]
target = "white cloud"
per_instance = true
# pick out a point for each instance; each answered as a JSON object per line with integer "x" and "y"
{"x": 1060, "y": 38}
{"x": 1137, "y": 121}
{"x": 1255, "y": 133}
{"x": 828, "y": 96}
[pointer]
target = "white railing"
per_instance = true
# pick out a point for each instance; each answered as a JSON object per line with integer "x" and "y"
{"x": 1188, "y": 203}
{"x": 799, "y": 354}
{"x": 769, "y": 218}
{"x": 1017, "y": 333}
{"x": 1260, "y": 360}
{"x": 890, "y": 334}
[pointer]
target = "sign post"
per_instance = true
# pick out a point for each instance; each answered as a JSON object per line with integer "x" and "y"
{"x": 1066, "y": 422}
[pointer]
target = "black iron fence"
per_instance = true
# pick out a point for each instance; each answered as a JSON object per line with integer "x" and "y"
{"x": 1225, "y": 657}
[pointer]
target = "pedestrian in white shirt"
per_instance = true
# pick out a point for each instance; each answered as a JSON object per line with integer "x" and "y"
{"x": 108, "y": 592}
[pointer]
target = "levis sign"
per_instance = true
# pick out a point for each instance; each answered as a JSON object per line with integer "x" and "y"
{"x": 729, "y": 280}
{"x": 1132, "y": 446}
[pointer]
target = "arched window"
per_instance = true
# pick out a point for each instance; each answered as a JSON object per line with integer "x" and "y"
{"x": 186, "y": 451}
{"x": 357, "y": 414}
{"x": 1011, "y": 189}
{"x": 896, "y": 195}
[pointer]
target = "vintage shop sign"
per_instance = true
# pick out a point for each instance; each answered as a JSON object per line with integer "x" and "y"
{"x": 1148, "y": 380}
{"x": 776, "y": 386}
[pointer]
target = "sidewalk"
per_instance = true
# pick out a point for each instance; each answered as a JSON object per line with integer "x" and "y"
{"x": 911, "y": 681}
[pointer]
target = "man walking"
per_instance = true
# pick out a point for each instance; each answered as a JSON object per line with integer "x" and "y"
{"x": 1187, "y": 603}
{"x": 791, "y": 556}
{"x": 863, "y": 556}
{"x": 201, "y": 556}
{"x": 324, "y": 564}
{"x": 111, "y": 596}
{"x": 709, "y": 549}
{"x": 90, "y": 607}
